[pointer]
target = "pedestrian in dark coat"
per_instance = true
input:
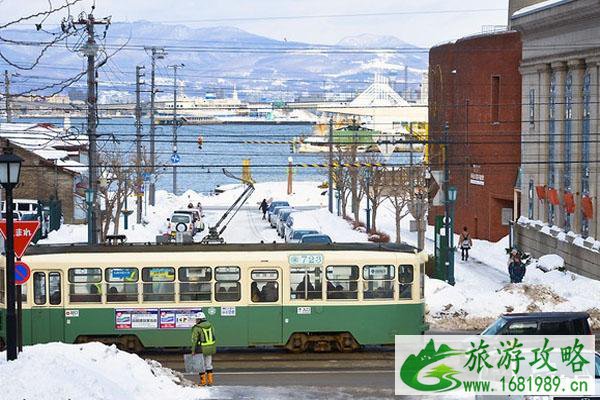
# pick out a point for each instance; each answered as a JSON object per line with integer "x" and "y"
{"x": 263, "y": 207}
{"x": 465, "y": 243}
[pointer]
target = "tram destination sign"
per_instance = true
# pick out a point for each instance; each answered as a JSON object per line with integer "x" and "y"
{"x": 305, "y": 259}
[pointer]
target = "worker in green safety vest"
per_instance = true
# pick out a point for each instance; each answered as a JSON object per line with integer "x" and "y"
{"x": 203, "y": 334}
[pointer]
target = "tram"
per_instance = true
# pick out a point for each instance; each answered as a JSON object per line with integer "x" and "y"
{"x": 303, "y": 297}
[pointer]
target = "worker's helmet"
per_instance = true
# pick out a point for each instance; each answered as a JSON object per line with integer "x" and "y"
{"x": 201, "y": 316}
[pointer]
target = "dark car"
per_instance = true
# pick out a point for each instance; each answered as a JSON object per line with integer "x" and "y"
{"x": 541, "y": 323}
{"x": 316, "y": 239}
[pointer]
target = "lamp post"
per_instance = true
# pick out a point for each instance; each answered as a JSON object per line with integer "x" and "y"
{"x": 450, "y": 200}
{"x": 10, "y": 169}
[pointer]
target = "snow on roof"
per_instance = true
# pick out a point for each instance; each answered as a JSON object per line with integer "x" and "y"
{"x": 538, "y": 7}
{"x": 37, "y": 136}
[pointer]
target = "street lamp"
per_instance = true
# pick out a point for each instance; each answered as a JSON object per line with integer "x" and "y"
{"x": 10, "y": 170}
{"x": 451, "y": 199}
{"x": 367, "y": 173}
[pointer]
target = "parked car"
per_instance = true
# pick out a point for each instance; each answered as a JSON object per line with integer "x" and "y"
{"x": 275, "y": 214}
{"x": 44, "y": 225}
{"x": 196, "y": 215}
{"x": 181, "y": 223}
{"x": 316, "y": 239}
{"x": 541, "y": 323}
{"x": 288, "y": 226}
{"x": 296, "y": 234}
{"x": 283, "y": 216}
{"x": 16, "y": 215}
{"x": 272, "y": 207}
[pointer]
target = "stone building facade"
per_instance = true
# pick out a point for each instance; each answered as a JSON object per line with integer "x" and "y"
{"x": 475, "y": 86}
{"x": 43, "y": 180}
{"x": 560, "y": 113}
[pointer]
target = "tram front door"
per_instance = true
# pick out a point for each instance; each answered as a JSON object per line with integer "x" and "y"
{"x": 265, "y": 309}
{"x": 47, "y": 312}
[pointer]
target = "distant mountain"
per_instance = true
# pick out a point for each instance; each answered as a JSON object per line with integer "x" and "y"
{"x": 217, "y": 58}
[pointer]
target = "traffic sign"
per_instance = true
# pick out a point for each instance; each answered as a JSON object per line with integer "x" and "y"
{"x": 24, "y": 231}
{"x": 175, "y": 158}
{"x": 22, "y": 272}
{"x": 146, "y": 176}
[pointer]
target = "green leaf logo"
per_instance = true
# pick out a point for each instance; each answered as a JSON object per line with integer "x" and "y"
{"x": 414, "y": 365}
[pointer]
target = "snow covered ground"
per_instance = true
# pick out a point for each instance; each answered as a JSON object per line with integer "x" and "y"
{"x": 482, "y": 292}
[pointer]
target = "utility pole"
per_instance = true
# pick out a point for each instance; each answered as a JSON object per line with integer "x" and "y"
{"x": 157, "y": 53}
{"x": 449, "y": 218}
{"x": 138, "y": 144}
{"x": 175, "y": 156}
{"x": 89, "y": 50}
{"x": 7, "y": 96}
{"x": 330, "y": 180}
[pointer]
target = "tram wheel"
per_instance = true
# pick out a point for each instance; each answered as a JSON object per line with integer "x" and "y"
{"x": 297, "y": 343}
{"x": 346, "y": 343}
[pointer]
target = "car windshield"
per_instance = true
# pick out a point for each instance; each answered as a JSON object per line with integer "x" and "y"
{"x": 180, "y": 218}
{"x": 299, "y": 234}
{"x": 284, "y": 215}
{"x": 276, "y": 204}
{"x": 495, "y": 328}
{"x": 315, "y": 239}
{"x": 29, "y": 217}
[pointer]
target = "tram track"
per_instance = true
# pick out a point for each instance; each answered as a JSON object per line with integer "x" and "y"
{"x": 233, "y": 361}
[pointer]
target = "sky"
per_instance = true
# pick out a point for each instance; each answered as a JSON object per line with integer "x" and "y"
{"x": 420, "y": 22}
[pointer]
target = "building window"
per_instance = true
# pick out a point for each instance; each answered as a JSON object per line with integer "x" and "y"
{"x": 532, "y": 107}
{"x": 585, "y": 148}
{"x": 495, "y": 99}
{"x": 530, "y": 200}
{"x": 551, "y": 143}
{"x": 567, "y": 142}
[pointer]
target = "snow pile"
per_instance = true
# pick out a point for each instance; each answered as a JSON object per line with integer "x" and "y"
{"x": 550, "y": 262}
{"x": 88, "y": 372}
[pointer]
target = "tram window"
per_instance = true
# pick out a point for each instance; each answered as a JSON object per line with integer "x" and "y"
{"x": 342, "y": 282}
{"x": 39, "y": 288}
{"x": 2, "y": 290}
{"x": 158, "y": 284}
{"x": 227, "y": 274}
{"x": 55, "y": 288}
{"x": 84, "y": 285}
{"x": 195, "y": 283}
{"x": 121, "y": 284}
{"x": 306, "y": 283}
{"x": 227, "y": 291}
{"x": 264, "y": 287}
{"x": 378, "y": 281}
{"x": 405, "y": 277}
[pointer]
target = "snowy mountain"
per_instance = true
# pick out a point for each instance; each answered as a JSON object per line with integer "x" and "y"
{"x": 217, "y": 58}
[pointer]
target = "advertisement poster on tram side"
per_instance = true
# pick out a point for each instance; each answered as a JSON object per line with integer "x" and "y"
{"x": 178, "y": 318}
{"x": 127, "y": 318}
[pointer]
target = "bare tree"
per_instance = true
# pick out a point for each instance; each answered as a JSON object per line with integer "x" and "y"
{"x": 376, "y": 185}
{"x": 398, "y": 192}
{"x": 120, "y": 177}
{"x": 341, "y": 176}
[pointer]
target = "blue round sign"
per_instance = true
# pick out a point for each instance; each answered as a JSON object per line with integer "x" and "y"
{"x": 146, "y": 176}
{"x": 22, "y": 272}
{"x": 175, "y": 158}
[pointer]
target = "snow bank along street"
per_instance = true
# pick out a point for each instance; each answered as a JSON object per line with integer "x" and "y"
{"x": 482, "y": 291}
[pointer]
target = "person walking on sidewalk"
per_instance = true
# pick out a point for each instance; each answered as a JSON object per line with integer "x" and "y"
{"x": 203, "y": 334}
{"x": 264, "y": 207}
{"x": 465, "y": 244}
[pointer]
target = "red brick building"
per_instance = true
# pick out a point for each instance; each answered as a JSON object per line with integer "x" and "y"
{"x": 475, "y": 86}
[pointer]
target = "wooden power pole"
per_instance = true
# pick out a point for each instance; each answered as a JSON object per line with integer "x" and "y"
{"x": 138, "y": 144}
